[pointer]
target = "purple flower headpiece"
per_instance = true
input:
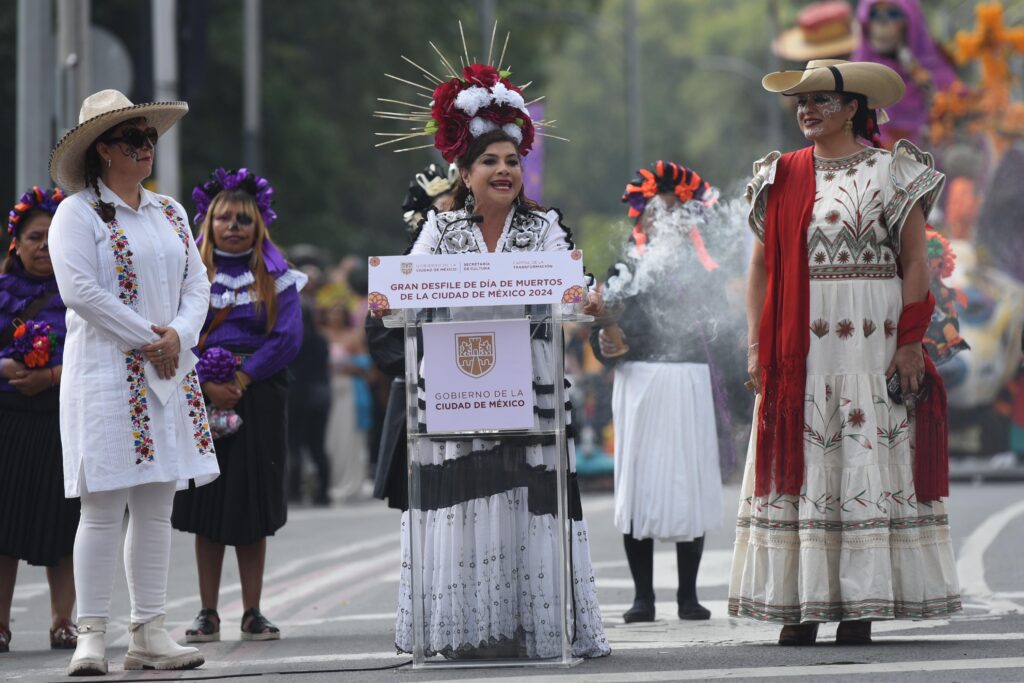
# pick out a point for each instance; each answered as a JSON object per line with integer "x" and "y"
{"x": 242, "y": 179}
{"x": 36, "y": 198}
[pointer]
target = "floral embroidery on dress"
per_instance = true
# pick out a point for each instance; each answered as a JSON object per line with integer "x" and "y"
{"x": 127, "y": 280}
{"x": 525, "y": 232}
{"x": 856, "y": 418}
{"x": 178, "y": 223}
{"x": 197, "y": 412}
{"x": 820, "y": 327}
{"x": 844, "y": 330}
{"x": 847, "y": 244}
{"x": 869, "y": 328}
{"x": 138, "y": 407}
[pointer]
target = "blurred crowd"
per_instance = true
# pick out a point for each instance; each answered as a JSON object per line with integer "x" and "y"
{"x": 337, "y": 396}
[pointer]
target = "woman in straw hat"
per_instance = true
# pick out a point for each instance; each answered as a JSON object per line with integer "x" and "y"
{"x": 841, "y": 516}
{"x": 133, "y": 424}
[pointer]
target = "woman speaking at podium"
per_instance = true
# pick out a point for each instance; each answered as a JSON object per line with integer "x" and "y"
{"x": 473, "y": 607}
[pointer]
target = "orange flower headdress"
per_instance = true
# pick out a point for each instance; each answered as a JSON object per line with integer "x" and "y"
{"x": 695, "y": 194}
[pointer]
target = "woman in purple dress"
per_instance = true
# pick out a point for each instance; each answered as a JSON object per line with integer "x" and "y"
{"x": 37, "y": 523}
{"x": 252, "y": 332}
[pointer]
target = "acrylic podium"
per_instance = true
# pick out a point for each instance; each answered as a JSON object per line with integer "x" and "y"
{"x": 486, "y": 549}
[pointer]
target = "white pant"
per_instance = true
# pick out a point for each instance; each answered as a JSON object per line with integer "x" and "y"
{"x": 147, "y": 549}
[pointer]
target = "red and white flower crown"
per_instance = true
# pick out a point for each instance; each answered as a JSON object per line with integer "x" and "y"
{"x": 465, "y": 105}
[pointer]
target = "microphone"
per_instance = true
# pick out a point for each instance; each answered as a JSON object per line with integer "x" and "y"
{"x": 475, "y": 218}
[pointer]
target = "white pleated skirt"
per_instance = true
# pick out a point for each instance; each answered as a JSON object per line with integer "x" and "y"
{"x": 667, "y": 480}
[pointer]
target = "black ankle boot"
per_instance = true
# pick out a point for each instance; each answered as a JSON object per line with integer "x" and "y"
{"x": 640, "y": 555}
{"x": 688, "y": 562}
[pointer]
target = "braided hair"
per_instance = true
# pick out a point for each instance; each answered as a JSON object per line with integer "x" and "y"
{"x": 865, "y": 121}
{"x": 93, "y": 170}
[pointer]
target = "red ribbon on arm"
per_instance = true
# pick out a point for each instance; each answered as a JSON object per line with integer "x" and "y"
{"x": 931, "y": 447}
{"x": 784, "y": 335}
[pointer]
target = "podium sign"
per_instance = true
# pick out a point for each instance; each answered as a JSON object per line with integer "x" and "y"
{"x": 457, "y": 280}
{"x": 477, "y": 376}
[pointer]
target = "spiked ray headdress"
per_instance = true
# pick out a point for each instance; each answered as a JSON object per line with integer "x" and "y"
{"x": 464, "y": 105}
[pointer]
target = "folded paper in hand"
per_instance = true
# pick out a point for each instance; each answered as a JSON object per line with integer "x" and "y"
{"x": 163, "y": 389}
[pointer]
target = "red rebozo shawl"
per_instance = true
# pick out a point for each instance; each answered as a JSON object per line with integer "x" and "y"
{"x": 931, "y": 447}
{"x": 784, "y": 339}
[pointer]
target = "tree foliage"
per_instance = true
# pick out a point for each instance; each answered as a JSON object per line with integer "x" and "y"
{"x": 323, "y": 63}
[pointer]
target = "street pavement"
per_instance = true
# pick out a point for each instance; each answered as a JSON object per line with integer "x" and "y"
{"x": 331, "y": 585}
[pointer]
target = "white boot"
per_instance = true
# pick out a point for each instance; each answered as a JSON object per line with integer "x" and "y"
{"x": 150, "y": 647}
{"x": 90, "y": 653}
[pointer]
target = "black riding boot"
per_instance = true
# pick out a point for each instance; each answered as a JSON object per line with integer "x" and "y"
{"x": 640, "y": 554}
{"x": 688, "y": 561}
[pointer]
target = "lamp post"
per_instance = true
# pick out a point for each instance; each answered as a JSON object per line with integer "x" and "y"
{"x": 253, "y": 91}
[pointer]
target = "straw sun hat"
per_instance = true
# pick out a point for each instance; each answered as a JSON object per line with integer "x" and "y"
{"x": 823, "y": 30}
{"x": 881, "y": 85}
{"x": 100, "y": 112}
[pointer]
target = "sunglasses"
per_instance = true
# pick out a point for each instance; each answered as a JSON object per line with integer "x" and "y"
{"x": 137, "y": 137}
{"x": 886, "y": 13}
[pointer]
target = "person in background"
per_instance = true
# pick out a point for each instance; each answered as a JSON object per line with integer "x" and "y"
{"x": 253, "y": 331}
{"x": 132, "y": 422}
{"x": 37, "y": 523}
{"x": 428, "y": 189}
{"x": 895, "y": 33}
{"x": 349, "y": 420}
{"x": 309, "y": 404}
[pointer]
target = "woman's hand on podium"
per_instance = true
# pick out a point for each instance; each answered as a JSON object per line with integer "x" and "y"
{"x": 379, "y": 313}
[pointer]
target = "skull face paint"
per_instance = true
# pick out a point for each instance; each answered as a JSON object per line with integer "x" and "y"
{"x": 819, "y": 113}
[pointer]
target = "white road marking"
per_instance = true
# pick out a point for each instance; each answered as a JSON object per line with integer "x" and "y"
{"x": 289, "y": 568}
{"x": 971, "y": 566}
{"x": 757, "y": 673}
{"x": 28, "y": 591}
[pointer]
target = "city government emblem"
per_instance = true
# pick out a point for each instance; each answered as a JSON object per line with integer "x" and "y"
{"x": 406, "y": 268}
{"x": 475, "y": 353}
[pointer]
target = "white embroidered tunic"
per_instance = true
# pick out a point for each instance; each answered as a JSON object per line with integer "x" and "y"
{"x": 856, "y": 543}
{"x": 118, "y": 280}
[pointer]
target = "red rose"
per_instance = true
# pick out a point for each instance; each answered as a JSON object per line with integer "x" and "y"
{"x": 452, "y": 138}
{"x": 528, "y": 134}
{"x": 444, "y": 100}
{"x": 500, "y": 115}
{"x": 481, "y": 74}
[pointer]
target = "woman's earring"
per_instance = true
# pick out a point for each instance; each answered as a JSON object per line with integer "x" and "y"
{"x": 470, "y": 202}
{"x": 108, "y": 163}
{"x": 849, "y": 124}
